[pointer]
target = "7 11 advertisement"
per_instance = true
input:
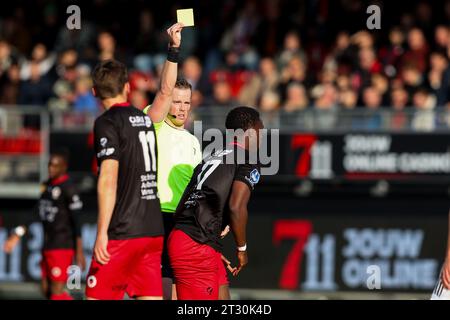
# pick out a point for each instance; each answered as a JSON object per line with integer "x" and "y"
{"x": 343, "y": 252}
{"x": 370, "y": 156}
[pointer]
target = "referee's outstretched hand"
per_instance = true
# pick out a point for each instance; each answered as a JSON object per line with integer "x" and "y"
{"x": 174, "y": 33}
{"x": 101, "y": 253}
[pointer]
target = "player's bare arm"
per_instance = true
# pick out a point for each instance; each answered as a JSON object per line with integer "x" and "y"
{"x": 240, "y": 195}
{"x": 446, "y": 267}
{"x": 80, "y": 258}
{"x": 14, "y": 239}
{"x": 161, "y": 104}
{"x": 106, "y": 190}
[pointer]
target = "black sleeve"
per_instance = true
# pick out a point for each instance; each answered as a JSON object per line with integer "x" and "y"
{"x": 106, "y": 139}
{"x": 74, "y": 206}
{"x": 249, "y": 174}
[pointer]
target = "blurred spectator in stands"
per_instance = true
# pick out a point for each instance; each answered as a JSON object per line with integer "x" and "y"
{"x": 40, "y": 56}
{"x": 64, "y": 87}
{"x": 343, "y": 82}
{"x": 291, "y": 48}
{"x": 269, "y": 105}
{"x": 325, "y": 96}
{"x": 296, "y": 98}
{"x": 295, "y": 71}
{"x": 372, "y": 119}
{"x": 272, "y": 28}
{"x": 15, "y": 30}
{"x": 139, "y": 99}
{"x": 442, "y": 38}
{"x": 371, "y": 98}
{"x": 399, "y": 98}
{"x": 37, "y": 89}
{"x": 368, "y": 65}
{"x": 233, "y": 72}
{"x": 9, "y": 88}
{"x": 399, "y": 101}
{"x": 390, "y": 56}
{"x": 362, "y": 40}
{"x": 266, "y": 80}
{"x": 381, "y": 84}
{"x": 67, "y": 59}
{"x": 423, "y": 14}
{"x": 193, "y": 73}
{"x": 416, "y": 54}
{"x": 439, "y": 78}
{"x": 342, "y": 57}
{"x": 424, "y": 116}
{"x": 222, "y": 96}
{"x": 84, "y": 100}
{"x": 412, "y": 78}
{"x": 149, "y": 44}
{"x": 326, "y": 99}
{"x": 6, "y": 57}
{"x": 348, "y": 99}
{"x": 106, "y": 46}
{"x": 270, "y": 101}
{"x": 80, "y": 40}
{"x": 238, "y": 37}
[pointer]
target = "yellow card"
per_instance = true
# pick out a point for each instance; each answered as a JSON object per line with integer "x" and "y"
{"x": 186, "y": 17}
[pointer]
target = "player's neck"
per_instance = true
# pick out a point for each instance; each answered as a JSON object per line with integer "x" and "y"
{"x": 108, "y": 103}
{"x": 170, "y": 123}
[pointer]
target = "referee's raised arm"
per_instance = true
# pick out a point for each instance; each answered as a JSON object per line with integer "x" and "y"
{"x": 161, "y": 104}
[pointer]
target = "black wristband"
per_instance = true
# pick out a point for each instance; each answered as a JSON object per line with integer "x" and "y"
{"x": 173, "y": 54}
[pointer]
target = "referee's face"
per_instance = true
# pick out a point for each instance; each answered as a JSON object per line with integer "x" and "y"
{"x": 56, "y": 167}
{"x": 181, "y": 105}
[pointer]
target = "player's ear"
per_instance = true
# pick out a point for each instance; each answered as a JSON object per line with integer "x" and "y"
{"x": 127, "y": 89}
{"x": 94, "y": 92}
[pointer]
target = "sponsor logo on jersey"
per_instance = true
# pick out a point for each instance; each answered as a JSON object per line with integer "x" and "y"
{"x": 105, "y": 152}
{"x": 140, "y": 121}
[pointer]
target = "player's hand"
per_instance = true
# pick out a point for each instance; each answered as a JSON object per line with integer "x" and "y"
{"x": 228, "y": 263}
{"x": 100, "y": 249}
{"x": 174, "y": 33}
{"x": 243, "y": 260}
{"x": 446, "y": 274}
{"x": 80, "y": 260}
{"x": 11, "y": 243}
{"x": 224, "y": 232}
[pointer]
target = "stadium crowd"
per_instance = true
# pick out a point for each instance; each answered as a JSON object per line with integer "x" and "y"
{"x": 275, "y": 55}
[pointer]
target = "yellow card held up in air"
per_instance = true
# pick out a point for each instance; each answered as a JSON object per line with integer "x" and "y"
{"x": 186, "y": 17}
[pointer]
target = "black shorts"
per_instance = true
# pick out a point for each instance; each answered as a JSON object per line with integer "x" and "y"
{"x": 169, "y": 223}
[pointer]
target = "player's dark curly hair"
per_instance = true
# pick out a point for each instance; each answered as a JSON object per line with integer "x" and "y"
{"x": 62, "y": 153}
{"x": 242, "y": 118}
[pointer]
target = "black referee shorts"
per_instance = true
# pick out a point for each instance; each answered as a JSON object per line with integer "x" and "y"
{"x": 169, "y": 223}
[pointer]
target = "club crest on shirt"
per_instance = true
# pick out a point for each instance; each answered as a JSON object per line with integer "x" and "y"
{"x": 254, "y": 177}
{"x": 56, "y": 192}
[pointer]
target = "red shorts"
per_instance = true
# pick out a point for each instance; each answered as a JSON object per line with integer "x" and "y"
{"x": 196, "y": 267}
{"x": 223, "y": 277}
{"x": 55, "y": 262}
{"x": 134, "y": 267}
